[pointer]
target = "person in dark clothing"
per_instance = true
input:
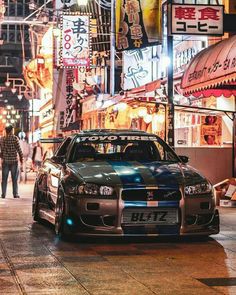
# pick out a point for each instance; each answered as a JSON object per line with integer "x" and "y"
{"x": 10, "y": 149}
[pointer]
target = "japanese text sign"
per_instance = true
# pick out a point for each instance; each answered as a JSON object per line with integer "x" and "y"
{"x": 137, "y": 67}
{"x": 70, "y": 98}
{"x": 75, "y": 45}
{"x": 138, "y": 23}
{"x": 197, "y": 19}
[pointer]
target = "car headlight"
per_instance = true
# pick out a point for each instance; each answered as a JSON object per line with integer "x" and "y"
{"x": 88, "y": 189}
{"x": 106, "y": 190}
{"x": 93, "y": 189}
{"x": 198, "y": 189}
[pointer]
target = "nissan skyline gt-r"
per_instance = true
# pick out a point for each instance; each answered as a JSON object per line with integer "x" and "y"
{"x": 122, "y": 183}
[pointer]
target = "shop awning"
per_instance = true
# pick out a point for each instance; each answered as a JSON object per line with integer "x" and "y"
{"x": 149, "y": 87}
{"x": 212, "y": 72}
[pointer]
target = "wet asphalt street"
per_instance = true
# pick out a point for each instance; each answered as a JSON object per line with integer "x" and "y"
{"x": 34, "y": 261}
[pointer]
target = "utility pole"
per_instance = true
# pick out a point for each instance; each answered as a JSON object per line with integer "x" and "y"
{"x": 170, "y": 81}
{"x": 112, "y": 49}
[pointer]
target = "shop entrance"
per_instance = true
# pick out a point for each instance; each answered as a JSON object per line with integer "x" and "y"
{"x": 206, "y": 136}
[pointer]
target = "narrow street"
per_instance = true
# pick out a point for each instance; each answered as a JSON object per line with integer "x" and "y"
{"x": 34, "y": 261}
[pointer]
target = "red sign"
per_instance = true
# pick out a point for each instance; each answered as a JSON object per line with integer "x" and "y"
{"x": 197, "y": 19}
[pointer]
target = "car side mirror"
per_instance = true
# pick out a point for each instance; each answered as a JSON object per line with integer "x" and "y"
{"x": 184, "y": 159}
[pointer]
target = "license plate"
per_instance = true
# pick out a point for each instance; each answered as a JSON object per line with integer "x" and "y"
{"x": 157, "y": 216}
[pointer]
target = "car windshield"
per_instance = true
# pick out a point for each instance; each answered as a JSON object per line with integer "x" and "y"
{"x": 121, "y": 148}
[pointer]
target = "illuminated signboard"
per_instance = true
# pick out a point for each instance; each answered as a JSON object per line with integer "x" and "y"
{"x": 138, "y": 23}
{"x": 137, "y": 67}
{"x": 75, "y": 40}
{"x": 197, "y": 19}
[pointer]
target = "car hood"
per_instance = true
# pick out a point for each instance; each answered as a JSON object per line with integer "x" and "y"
{"x": 136, "y": 173}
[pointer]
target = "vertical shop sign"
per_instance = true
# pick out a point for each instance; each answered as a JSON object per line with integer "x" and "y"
{"x": 70, "y": 113}
{"x": 138, "y": 23}
{"x": 75, "y": 40}
{"x": 61, "y": 119}
{"x": 137, "y": 67}
{"x": 170, "y": 124}
{"x": 197, "y": 19}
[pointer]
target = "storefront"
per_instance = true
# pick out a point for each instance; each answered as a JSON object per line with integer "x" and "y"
{"x": 204, "y": 118}
{"x": 138, "y": 114}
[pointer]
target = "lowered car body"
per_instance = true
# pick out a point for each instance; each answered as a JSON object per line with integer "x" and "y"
{"x": 107, "y": 182}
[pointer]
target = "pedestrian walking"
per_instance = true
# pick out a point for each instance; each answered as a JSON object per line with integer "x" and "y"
{"x": 37, "y": 156}
{"x": 10, "y": 150}
{"x": 25, "y": 147}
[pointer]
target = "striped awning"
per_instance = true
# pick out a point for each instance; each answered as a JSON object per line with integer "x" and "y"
{"x": 212, "y": 71}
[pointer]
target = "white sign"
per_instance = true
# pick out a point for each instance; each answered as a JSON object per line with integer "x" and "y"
{"x": 185, "y": 51}
{"x": 197, "y": 19}
{"x": 62, "y": 3}
{"x": 117, "y": 137}
{"x": 137, "y": 67}
{"x": 46, "y": 114}
{"x": 75, "y": 47}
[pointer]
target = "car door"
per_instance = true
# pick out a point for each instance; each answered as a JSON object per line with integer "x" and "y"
{"x": 54, "y": 169}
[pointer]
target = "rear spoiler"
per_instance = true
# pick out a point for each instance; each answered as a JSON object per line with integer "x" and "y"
{"x": 52, "y": 140}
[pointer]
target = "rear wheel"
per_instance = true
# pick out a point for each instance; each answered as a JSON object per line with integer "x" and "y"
{"x": 61, "y": 227}
{"x": 35, "y": 203}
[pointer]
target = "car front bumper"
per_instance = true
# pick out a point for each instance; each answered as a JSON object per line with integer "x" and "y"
{"x": 105, "y": 217}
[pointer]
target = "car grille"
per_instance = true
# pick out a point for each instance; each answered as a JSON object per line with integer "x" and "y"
{"x": 150, "y": 195}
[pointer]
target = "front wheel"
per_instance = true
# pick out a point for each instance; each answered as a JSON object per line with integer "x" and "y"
{"x": 60, "y": 217}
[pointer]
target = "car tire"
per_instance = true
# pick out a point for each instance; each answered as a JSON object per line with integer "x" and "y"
{"x": 35, "y": 203}
{"x": 60, "y": 217}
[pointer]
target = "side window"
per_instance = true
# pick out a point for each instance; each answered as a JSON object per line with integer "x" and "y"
{"x": 63, "y": 147}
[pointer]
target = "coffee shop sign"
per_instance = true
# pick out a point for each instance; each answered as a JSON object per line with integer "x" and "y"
{"x": 197, "y": 19}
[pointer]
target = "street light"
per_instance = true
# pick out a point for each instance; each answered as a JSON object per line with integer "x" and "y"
{"x": 7, "y": 83}
{"x": 13, "y": 90}
{"x": 9, "y": 115}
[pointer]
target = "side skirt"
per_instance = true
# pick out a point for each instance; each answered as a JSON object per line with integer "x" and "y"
{"x": 48, "y": 215}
